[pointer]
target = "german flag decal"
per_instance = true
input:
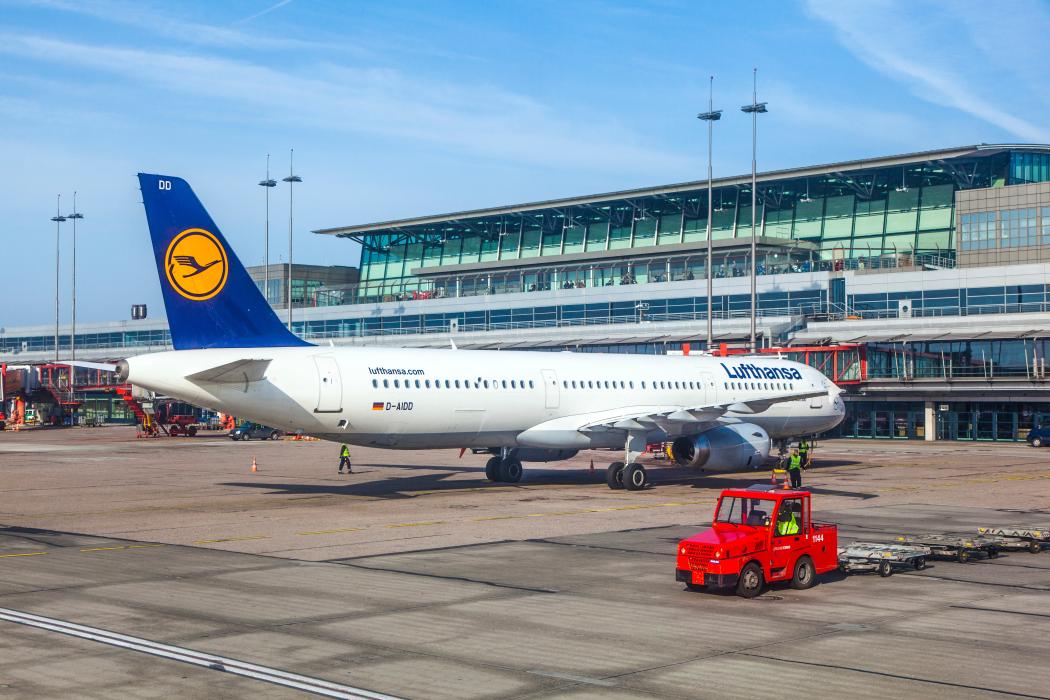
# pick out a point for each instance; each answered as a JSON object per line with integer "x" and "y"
{"x": 378, "y": 405}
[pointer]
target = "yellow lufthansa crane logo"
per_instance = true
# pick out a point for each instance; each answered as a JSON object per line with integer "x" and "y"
{"x": 196, "y": 264}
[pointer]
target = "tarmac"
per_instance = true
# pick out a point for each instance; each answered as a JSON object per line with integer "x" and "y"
{"x": 159, "y": 566}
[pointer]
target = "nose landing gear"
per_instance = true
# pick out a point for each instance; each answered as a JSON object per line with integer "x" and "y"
{"x": 629, "y": 475}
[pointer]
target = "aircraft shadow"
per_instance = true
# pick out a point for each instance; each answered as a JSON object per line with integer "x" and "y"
{"x": 401, "y": 487}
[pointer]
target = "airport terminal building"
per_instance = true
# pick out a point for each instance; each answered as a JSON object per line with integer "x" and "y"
{"x": 919, "y": 282}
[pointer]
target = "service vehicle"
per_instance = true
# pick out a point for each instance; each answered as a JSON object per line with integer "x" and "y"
{"x": 758, "y": 535}
{"x": 182, "y": 425}
{"x": 1038, "y": 436}
{"x": 255, "y": 431}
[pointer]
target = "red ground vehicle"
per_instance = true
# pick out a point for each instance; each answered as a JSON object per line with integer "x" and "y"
{"x": 758, "y": 535}
{"x": 182, "y": 425}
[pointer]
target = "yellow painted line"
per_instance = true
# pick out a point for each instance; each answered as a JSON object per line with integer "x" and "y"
{"x": 22, "y": 554}
{"x": 496, "y": 517}
{"x": 119, "y": 547}
{"x": 331, "y": 532}
{"x": 102, "y": 549}
{"x": 429, "y": 522}
{"x": 232, "y": 539}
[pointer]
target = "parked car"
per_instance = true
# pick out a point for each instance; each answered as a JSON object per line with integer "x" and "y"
{"x": 255, "y": 431}
{"x": 1039, "y": 437}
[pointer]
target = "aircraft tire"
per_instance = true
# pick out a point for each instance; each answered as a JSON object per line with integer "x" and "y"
{"x": 510, "y": 471}
{"x": 634, "y": 477}
{"x": 614, "y": 476}
{"x": 492, "y": 469}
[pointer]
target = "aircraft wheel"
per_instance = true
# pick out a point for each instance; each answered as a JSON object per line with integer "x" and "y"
{"x": 510, "y": 471}
{"x": 191, "y": 431}
{"x": 492, "y": 469}
{"x": 634, "y": 477}
{"x": 614, "y": 475}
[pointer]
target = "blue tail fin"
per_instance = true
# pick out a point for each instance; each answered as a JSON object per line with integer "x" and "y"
{"x": 210, "y": 299}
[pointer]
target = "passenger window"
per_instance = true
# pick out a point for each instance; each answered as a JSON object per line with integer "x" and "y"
{"x": 631, "y": 384}
{"x": 375, "y": 383}
{"x": 457, "y": 383}
{"x": 531, "y": 385}
{"x": 448, "y": 384}
{"x": 564, "y": 384}
{"x": 513, "y": 384}
{"x": 573, "y": 383}
{"x": 504, "y": 383}
{"x": 486, "y": 383}
{"x": 417, "y": 383}
{"x": 386, "y": 383}
{"x": 397, "y": 383}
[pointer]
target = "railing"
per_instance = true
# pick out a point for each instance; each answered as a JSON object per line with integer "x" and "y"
{"x": 642, "y": 271}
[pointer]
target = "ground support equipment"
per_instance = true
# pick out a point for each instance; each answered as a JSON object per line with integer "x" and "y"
{"x": 960, "y": 547}
{"x": 1033, "y": 539}
{"x": 881, "y": 557}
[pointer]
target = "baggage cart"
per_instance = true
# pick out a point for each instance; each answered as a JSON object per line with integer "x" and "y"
{"x": 881, "y": 557}
{"x": 1034, "y": 539}
{"x": 961, "y": 547}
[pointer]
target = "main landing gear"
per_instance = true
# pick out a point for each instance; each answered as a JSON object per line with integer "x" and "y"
{"x": 506, "y": 468}
{"x": 629, "y": 474}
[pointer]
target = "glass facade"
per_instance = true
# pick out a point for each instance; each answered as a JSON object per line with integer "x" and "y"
{"x": 977, "y": 421}
{"x": 1006, "y": 228}
{"x": 856, "y": 212}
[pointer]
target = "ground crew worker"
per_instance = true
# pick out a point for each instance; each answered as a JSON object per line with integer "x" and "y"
{"x": 803, "y": 450}
{"x": 795, "y": 469}
{"x": 344, "y": 459}
{"x": 786, "y": 522}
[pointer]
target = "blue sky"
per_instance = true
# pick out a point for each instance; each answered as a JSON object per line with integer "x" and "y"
{"x": 398, "y": 109}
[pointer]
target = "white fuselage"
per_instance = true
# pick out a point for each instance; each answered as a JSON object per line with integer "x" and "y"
{"x": 425, "y": 398}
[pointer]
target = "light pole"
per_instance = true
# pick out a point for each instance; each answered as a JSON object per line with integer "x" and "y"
{"x": 267, "y": 183}
{"x": 710, "y": 116}
{"x": 291, "y": 180}
{"x": 754, "y": 109}
{"x": 73, "y": 316}
{"x": 58, "y": 219}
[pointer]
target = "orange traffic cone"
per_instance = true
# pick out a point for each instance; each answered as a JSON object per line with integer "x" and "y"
{"x": 255, "y": 467}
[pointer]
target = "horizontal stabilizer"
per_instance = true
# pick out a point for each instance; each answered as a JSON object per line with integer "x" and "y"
{"x": 89, "y": 365}
{"x": 236, "y": 372}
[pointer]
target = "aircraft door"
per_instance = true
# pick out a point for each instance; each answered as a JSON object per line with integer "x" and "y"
{"x": 710, "y": 393}
{"x": 330, "y": 385}
{"x": 550, "y": 388}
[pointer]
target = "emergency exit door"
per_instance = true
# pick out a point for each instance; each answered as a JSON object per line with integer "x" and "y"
{"x": 550, "y": 388}
{"x": 330, "y": 386}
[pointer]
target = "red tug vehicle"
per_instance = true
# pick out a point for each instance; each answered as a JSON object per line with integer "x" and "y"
{"x": 758, "y": 536}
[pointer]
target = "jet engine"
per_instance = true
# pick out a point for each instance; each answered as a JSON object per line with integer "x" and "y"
{"x": 725, "y": 448}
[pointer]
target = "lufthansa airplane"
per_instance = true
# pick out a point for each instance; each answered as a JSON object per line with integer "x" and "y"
{"x": 232, "y": 354}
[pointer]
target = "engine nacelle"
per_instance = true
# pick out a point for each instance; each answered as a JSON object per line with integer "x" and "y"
{"x": 725, "y": 449}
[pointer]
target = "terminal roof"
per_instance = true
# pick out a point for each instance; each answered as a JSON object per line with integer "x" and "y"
{"x": 978, "y": 150}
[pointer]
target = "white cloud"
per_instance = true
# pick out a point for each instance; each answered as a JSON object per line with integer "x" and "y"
{"x": 927, "y": 48}
{"x": 482, "y": 120}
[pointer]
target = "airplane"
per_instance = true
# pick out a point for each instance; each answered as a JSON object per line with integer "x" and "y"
{"x": 232, "y": 354}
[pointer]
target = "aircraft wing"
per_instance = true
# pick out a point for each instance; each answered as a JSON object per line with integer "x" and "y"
{"x": 236, "y": 372}
{"x": 679, "y": 419}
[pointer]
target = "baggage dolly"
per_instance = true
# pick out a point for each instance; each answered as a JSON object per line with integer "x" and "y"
{"x": 1034, "y": 539}
{"x": 960, "y": 547}
{"x": 881, "y": 557}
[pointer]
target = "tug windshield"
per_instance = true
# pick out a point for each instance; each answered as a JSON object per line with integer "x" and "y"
{"x": 745, "y": 511}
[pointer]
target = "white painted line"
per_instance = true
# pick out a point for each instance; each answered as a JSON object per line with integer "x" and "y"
{"x": 307, "y": 684}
